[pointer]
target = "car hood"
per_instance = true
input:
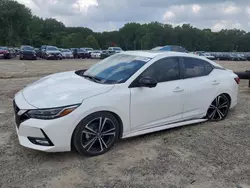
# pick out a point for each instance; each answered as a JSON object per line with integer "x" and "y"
{"x": 54, "y": 51}
{"x": 28, "y": 51}
{"x": 62, "y": 89}
{"x": 66, "y": 53}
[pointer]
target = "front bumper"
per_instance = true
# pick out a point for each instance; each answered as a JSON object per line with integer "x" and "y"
{"x": 28, "y": 56}
{"x": 53, "y": 56}
{"x": 44, "y": 135}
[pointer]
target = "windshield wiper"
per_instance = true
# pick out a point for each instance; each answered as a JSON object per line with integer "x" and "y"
{"x": 97, "y": 80}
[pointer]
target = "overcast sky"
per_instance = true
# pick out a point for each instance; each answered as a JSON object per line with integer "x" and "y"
{"x": 107, "y": 15}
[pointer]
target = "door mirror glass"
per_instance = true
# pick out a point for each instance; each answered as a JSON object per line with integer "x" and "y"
{"x": 147, "y": 82}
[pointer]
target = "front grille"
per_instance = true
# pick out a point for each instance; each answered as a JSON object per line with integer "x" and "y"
{"x": 19, "y": 119}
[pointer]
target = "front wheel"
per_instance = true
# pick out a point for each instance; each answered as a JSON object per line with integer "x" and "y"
{"x": 219, "y": 108}
{"x": 96, "y": 134}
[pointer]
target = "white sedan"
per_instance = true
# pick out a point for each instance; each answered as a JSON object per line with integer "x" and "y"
{"x": 96, "y": 54}
{"x": 127, "y": 94}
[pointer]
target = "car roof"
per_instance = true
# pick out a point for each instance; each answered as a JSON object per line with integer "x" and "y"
{"x": 153, "y": 54}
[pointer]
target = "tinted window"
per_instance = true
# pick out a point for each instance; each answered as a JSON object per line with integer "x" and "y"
{"x": 164, "y": 70}
{"x": 208, "y": 68}
{"x": 196, "y": 67}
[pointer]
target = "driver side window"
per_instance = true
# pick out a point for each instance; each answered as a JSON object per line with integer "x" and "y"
{"x": 163, "y": 70}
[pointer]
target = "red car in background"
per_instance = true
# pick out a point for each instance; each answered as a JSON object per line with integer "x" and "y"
{"x": 4, "y": 53}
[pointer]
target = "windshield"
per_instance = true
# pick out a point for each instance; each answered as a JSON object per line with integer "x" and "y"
{"x": 117, "y": 49}
{"x": 51, "y": 48}
{"x": 117, "y": 68}
{"x": 3, "y": 48}
{"x": 157, "y": 48}
{"x": 66, "y": 50}
{"x": 88, "y": 49}
{"x": 28, "y": 48}
{"x": 207, "y": 54}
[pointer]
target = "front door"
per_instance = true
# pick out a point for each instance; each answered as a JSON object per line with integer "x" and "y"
{"x": 162, "y": 104}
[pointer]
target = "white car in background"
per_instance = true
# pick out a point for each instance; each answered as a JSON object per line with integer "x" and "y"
{"x": 125, "y": 95}
{"x": 96, "y": 54}
{"x": 67, "y": 53}
{"x": 207, "y": 55}
{"x": 115, "y": 49}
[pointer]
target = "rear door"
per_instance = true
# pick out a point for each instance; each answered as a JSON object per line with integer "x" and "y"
{"x": 200, "y": 86}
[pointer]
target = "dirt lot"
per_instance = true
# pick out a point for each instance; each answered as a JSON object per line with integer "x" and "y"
{"x": 203, "y": 155}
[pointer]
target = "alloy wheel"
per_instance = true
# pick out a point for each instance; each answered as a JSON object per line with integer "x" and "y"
{"x": 218, "y": 109}
{"x": 98, "y": 135}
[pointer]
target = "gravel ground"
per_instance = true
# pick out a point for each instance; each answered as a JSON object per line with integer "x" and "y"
{"x": 203, "y": 155}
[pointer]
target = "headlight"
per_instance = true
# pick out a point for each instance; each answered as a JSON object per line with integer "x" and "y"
{"x": 51, "y": 113}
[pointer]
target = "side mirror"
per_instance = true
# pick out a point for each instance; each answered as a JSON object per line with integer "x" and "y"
{"x": 147, "y": 82}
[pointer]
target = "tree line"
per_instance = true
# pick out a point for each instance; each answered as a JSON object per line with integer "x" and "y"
{"x": 18, "y": 26}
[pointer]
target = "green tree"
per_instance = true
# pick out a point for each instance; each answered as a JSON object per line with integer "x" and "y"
{"x": 14, "y": 18}
{"x": 91, "y": 42}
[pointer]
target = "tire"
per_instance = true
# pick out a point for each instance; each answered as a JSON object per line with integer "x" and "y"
{"x": 218, "y": 109}
{"x": 89, "y": 138}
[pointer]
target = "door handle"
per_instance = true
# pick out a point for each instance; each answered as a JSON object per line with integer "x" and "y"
{"x": 216, "y": 82}
{"x": 178, "y": 89}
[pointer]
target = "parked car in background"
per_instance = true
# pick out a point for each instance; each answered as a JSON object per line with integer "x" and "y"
{"x": 27, "y": 52}
{"x": 67, "y": 54}
{"x": 17, "y": 51}
{"x": 207, "y": 55}
{"x": 107, "y": 53}
{"x": 5, "y": 52}
{"x": 173, "y": 48}
{"x": 37, "y": 50}
{"x": 79, "y": 53}
{"x": 43, "y": 51}
{"x": 234, "y": 57}
{"x": 96, "y": 54}
{"x": 115, "y": 49}
{"x": 52, "y": 52}
{"x": 87, "y": 52}
{"x": 242, "y": 57}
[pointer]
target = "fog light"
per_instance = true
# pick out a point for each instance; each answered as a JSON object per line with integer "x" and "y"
{"x": 40, "y": 141}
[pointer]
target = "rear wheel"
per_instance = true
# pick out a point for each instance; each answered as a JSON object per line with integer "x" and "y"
{"x": 219, "y": 108}
{"x": 96, "y": 134}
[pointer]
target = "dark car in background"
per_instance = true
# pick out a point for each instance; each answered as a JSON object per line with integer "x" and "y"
{"x": 27, "y": 52}
{"x": 78, "y": 53}
{"x": 5, "y": 52}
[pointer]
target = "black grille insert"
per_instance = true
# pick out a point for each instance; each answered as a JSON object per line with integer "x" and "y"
{"x": 19, "y": 119}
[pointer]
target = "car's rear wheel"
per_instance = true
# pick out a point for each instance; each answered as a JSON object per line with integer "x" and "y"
{"x": 219, "y": 108}
{"x": 96, "y": 134}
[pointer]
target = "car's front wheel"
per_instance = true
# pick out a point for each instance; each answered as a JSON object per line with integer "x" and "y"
{"x": 219, "y": 108}
{"x": 96, "y": 134}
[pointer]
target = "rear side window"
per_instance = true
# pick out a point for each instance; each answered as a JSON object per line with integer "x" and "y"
{"x": 196, "y": 67}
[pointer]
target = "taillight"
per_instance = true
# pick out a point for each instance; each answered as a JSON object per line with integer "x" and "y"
{"x": 237, "y": 80}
